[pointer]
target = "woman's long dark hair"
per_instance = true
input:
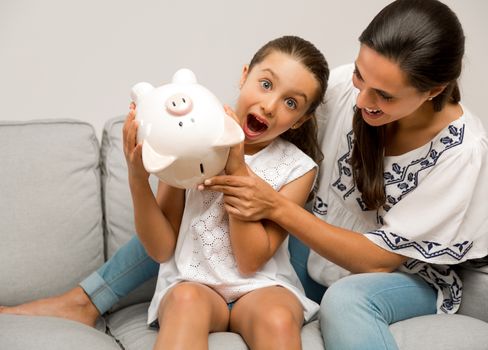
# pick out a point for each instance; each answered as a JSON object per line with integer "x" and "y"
{"x": 426, "y": 40}
{"x": 305, "y": 137}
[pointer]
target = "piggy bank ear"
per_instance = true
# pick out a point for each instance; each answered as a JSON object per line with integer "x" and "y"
{"x": 139, "y": 90}
{"x": 153, "y": 161}
{"x": 184, "y": 76}
{"x": 232, "y": 134}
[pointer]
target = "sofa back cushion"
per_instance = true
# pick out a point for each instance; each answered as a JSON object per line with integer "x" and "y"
{"x": 117, "y": 202}
{"x": 51, "y": 230}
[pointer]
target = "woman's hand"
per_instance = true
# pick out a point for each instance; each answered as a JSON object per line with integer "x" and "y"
{"x": 235, "y": 161}
{"x": 247, "y": 198}
{"x": 133, "y": 150}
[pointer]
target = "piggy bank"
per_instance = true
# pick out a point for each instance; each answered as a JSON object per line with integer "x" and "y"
{"x": 185, "y": 133}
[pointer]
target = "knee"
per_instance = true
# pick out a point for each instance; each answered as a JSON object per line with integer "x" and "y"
{"x": 184, "y": 295}
{"x": 279, "y": 321}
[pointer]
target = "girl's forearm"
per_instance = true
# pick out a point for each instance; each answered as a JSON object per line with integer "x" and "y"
{"x": 251, "y": 245}
{"x": 348, "y": 249}
{"x": 154, "y": 230}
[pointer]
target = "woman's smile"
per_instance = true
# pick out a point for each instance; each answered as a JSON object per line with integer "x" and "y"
{"x": 372, "y": 113}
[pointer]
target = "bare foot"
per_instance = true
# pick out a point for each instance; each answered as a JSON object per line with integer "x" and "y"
{"x": 73, "y": 305}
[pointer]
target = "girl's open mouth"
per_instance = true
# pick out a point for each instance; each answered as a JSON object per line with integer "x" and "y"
{"x": 254, "y": 126}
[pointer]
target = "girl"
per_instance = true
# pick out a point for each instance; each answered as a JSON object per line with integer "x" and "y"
{"x": 236, "y": 275}
{"x": 402, "y": 189}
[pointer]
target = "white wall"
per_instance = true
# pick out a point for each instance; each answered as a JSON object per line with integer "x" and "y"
{"x": 79, "y": 59}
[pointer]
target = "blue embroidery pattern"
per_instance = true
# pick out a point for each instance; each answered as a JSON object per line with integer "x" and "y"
{"x": 319, "y": 207}
{"x": 441, "y": 277}
{"x": 399, "y": 180}
{"x": 428, "y": 249}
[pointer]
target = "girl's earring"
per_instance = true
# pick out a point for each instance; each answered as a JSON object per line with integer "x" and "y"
{"x": 430, "y": 98}
{"x": 295, "y": 126}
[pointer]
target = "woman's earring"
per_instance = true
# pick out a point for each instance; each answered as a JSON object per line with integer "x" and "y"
{"x": 430, "y": 98}
{"x": 295, "y": 126}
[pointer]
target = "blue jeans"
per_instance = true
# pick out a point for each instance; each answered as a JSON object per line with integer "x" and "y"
{"x": 126, "y": 270}
{"x": 356, "y": 310}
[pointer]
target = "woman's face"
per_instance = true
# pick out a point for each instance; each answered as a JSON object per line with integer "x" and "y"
{"x": 385, "y": 95}
{"x": 275, "y": 95}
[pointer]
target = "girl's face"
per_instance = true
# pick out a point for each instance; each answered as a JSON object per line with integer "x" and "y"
{"x": 275, "y": 96}
{"x": 384, "y": 92}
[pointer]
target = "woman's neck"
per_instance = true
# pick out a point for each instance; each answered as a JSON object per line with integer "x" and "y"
{"x": 417, "y": 130}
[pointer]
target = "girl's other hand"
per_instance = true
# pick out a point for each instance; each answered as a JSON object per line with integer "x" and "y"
{"x": 132, "y": 149}
{"x": 235, "y": 161}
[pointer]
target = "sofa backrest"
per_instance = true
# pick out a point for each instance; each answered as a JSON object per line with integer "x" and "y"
{"x": 50, "y": 208}
{"x": 117, "y": 202}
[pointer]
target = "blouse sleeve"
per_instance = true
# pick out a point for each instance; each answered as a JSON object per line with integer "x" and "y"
{"x": 444, "y": 220}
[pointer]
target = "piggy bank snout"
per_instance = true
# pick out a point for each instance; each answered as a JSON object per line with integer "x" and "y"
{"x": 179, "y": 104}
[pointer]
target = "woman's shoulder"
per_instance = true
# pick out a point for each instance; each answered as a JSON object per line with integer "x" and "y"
{"x": 461, "y": 144}
{"x": 466, "y": 134}
{"x": 474, "y": 128}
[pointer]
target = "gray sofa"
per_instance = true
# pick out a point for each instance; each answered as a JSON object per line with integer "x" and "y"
{"x": 65, "y": 207}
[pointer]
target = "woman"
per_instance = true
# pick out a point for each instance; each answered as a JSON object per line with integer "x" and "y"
{"x": 401, "y": 188}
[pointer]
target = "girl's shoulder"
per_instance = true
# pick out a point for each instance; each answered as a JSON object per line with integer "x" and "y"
{"x": 283, "y": 150}
{"x": 280, "y": 162}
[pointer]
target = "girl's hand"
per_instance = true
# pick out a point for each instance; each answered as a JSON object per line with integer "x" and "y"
{"x": 235, "y": 161}
{"x": 133, "y": 150}
{"x": 247, "y": 198}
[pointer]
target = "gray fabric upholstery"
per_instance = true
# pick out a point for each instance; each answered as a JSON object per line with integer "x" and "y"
{"x": 446, "y": 332}
{"x": 50, "y": 333}
{"x": 475, "y": 291}
{"x": 50, "y": 208}
{"x": 118, "y": 209}
{"x": 119, "y": 214}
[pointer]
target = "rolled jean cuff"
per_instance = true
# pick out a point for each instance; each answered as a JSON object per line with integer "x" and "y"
{"x": 99, "y": 292}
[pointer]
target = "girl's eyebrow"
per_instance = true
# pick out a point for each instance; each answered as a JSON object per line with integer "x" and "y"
{"x": 379, "y": 91}
{"x": 298, "y": 93}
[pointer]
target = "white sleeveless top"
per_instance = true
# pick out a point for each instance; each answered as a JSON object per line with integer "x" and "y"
{"x": 203, "y": 251}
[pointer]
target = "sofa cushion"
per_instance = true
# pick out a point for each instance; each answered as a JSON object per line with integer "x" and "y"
{"x": 474, "y": 275}
{"x": 129, "y": 327}
{"x": 446, "y": 332}
{"x": 34, "y": 332}
{"x": 117, "y": 201}
{"x": 118, "y": 208}
{"x": 50, "y": 208}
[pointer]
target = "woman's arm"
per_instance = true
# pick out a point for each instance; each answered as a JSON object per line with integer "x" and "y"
{"x": 157, "y": 219}
{"x": 255, "y": 242}
{"x": 250, "y": 198}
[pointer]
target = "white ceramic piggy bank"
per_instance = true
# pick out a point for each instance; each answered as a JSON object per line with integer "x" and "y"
{"x": 185, "y": 132}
